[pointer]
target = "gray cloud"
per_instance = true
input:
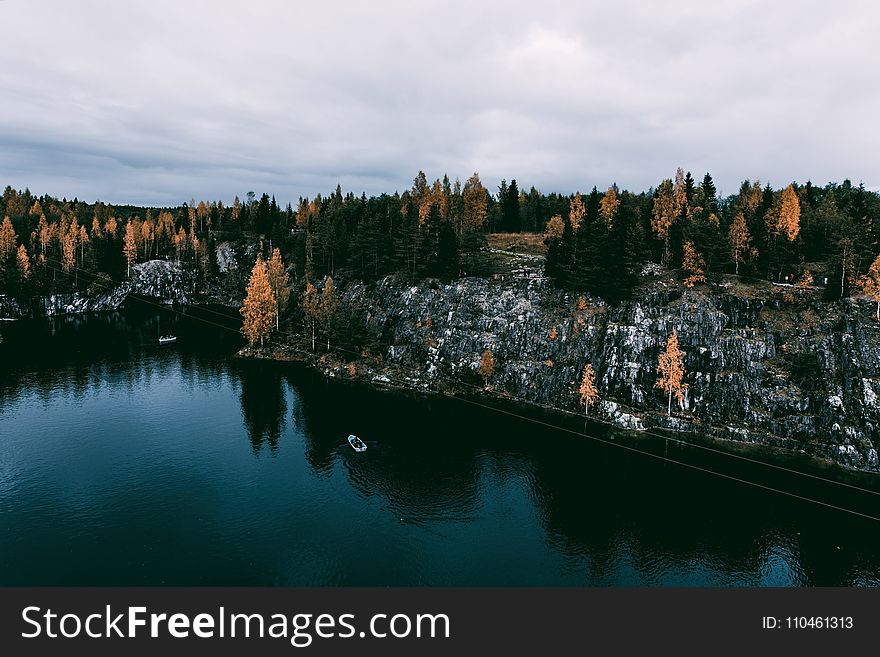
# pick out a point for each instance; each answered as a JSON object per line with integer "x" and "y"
{"x": 159, "y": 101}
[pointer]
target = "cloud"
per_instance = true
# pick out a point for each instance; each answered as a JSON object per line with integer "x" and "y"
{"x": 161, "y": 101}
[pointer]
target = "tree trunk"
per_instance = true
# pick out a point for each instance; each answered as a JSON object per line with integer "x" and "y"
{"x": 669, "y": 406}
{"x": 736, "y": 271}
{"x": 313, "y": 336}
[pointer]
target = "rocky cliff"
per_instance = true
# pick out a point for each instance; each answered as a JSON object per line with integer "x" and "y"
{"x": 762, "y": 365}
{"x": 158, "y": 279}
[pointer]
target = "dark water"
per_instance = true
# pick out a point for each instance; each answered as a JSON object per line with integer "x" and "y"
{"x": 123, "y": 462}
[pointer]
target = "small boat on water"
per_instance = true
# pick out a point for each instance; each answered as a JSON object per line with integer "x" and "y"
{"x": 165, "y": 339}
{"x": 357, "y": 444}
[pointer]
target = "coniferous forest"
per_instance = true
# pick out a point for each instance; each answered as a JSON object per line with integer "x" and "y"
{"x": 596, "y": 241}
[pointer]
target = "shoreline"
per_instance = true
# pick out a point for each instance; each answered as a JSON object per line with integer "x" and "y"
{"x": 755, "y": 453}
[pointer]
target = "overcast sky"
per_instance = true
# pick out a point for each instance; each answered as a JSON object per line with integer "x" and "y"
{"x": 156, "y": 102}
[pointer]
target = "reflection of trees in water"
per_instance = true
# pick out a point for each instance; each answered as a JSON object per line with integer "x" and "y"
{"x": 316, "y": 419}
{"x": 263, "y": 404}
{"x": 609, "y": 512}
{"x": 71, "y": 355}
{"x": 614, "y": 511}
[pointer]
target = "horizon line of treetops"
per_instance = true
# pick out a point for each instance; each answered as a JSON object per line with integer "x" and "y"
{"x": 596, "y": 242}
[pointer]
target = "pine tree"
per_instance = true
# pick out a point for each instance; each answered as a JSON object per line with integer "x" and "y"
{"x": 710, "y": 194}
{"x": 622, "y": 253}
{"x": 670, "y": 367}
{"x": 487, "y": 366}
{"x": 511, "y": 212}
{"x": 259, "y": 305}
{"x": 588, "y": 392}
{"x": 279, "y": 281}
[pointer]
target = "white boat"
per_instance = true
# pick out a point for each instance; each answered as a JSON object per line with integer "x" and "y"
{"x": 165, "y": 339}
{"x": 357, "y": 444}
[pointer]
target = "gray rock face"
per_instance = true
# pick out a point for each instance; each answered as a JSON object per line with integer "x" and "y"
{"x": 805, "y": 377}
{"x": 159, "y": 279}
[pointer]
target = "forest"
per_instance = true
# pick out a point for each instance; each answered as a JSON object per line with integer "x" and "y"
{"x": 596, "y": 241}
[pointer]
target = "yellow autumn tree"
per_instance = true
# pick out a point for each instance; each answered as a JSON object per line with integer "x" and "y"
{"x": 487, "y": 366}
{"x": 576, "y": 211}
{"x": 258, "y": 309}
{"x": 679, "y": 194}
{"x": 693, "y": 264}
{"x": 739, "y": 239}
{"x": 111, "y": 227}
{"x": 7, "y": 238}
{"x": 555, "y": 227}
{"x": 475, "y": 203}
{"x": 670, "y": 367}
{"x": 279, "y": 279}
{"x": 147, "y": 234}
{"x": 129, "y": 245}
{"x": 608, "y": 206}
{"x": 44, "y": 233}
{"x": 82, "y": 240}
{"x": 588, "y": 392}
{"x": 663, "y": 214}
{"x": 24, "y": 262}
{"x": 789, "y": 215}
{"x": 310, "y": 309}
{"x": 870, "y": 283}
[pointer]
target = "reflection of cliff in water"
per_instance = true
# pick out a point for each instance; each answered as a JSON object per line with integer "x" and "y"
{"x": 412, "y": 461}
{"x": 634, "y": 519}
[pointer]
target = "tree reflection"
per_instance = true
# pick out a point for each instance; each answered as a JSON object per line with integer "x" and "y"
{"x": 263, "y": 404}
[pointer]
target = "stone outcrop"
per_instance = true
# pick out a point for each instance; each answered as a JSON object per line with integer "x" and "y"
{"x": 164, "y": 280}
{"x": 801, "y": 376}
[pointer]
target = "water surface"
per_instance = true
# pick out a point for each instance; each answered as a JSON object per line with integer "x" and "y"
{"x": 126, "y": 462}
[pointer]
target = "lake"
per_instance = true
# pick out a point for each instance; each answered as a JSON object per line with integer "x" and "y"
{"x": 126, "y": 462}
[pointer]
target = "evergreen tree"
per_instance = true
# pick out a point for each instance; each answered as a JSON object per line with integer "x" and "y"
{"x": 623, "y": 253}
{"x": 710, "y": 194}
{"x": 511, "y": 210}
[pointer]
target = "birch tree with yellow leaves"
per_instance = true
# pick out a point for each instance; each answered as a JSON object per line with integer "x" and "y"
{"x": 670, "y": 367}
